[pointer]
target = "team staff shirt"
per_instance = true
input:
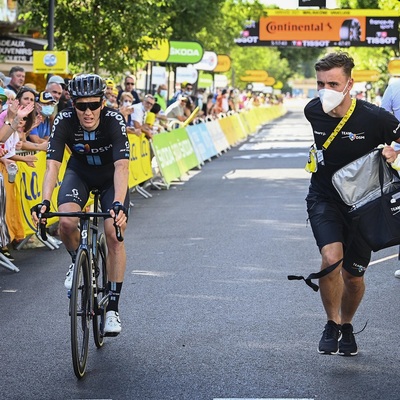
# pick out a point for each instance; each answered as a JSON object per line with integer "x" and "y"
{"x": 368, "y": 127}
{"x": 103, "y": 146}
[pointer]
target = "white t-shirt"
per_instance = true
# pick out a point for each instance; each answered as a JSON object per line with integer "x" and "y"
{"x": 10, "y": 144}
{"x": 139, "y": 113}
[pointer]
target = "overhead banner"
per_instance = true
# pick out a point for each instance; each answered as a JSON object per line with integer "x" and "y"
{"x": 341, "y": 28}
{"x": 159, "y": 53}
{"x": 208, "y": 62}
{"x": 224, "y": 63}
{"x": 185, "y": 52}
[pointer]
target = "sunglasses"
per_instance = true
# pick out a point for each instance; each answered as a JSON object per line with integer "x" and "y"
{"x": 92, "y": 105}
{"x": 129, "y": 83}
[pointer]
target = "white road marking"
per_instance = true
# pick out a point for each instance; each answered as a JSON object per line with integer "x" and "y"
{"x": 383, "y": 259}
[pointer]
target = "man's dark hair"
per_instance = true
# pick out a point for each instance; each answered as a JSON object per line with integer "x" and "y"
{"x": 15, "y": 69}
{"x": 340, "y": 59}
{"x": 156, "y": 108}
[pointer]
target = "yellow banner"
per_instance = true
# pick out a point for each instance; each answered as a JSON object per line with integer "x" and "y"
{"x": 50, "y": 62}
{"x": 140, "y": 161}
{"x": 28, "y": 185}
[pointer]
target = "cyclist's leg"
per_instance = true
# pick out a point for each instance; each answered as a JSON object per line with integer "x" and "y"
{"x": 72, "y": 197}
{"x": 116, "y": 264}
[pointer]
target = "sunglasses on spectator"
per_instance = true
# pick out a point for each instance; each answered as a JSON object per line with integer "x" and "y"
{"x": 129, "y": 83}
{"x": 92, "y": 105}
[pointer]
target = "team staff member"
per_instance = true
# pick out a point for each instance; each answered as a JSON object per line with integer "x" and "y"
{"x": 99, "y": 159}
{"x": 367, "y": 127}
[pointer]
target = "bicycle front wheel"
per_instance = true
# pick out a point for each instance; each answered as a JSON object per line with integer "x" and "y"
{"x": 80, "y": 313}
{"x": 100, "y": 291}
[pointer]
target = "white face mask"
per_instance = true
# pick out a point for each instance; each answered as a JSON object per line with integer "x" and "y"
{"x": 127, "y": 103}
{"x": 330, "y": 99}
{"x": 47, "y": 110}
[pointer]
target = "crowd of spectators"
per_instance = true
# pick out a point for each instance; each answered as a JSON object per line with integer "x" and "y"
{"x": 27, "y": 115}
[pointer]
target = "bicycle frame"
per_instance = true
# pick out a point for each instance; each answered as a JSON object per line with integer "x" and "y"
{"x": 90, "y": 264}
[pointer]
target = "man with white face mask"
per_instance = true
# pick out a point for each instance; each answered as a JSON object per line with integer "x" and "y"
{"x": 366, "y": 127}
{"x": 46, "y": 104}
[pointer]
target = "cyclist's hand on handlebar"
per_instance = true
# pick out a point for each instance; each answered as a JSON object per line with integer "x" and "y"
{"x": 119, "y": 212}
{"x": 39, "y": 209}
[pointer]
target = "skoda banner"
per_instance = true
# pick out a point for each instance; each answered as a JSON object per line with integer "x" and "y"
{"x": 185, "y": 52}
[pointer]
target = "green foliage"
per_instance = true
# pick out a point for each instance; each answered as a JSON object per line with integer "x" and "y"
{"x": 259, "y": 58}
{"x": 105, "y": 35}
{"x": 359, "y": 4}
{"x": 97, "y": 33}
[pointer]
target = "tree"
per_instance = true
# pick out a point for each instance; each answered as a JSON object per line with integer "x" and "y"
{"x": 97, "y": 33}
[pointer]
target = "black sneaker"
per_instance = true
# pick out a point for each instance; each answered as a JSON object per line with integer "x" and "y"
{"x": 329, "y": 343}
{"x": 347, "y": 344}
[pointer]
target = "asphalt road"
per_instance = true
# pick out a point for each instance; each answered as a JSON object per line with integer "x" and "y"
{"x": 207, "y": 310}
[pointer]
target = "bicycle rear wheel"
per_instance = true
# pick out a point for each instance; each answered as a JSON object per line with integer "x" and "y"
{"x": 101, "y": 291}
{"x": 80, "y": 313}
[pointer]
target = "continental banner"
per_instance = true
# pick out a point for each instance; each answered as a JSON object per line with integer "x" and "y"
{"x": 323, "y": 28}
{"x": 140, "y": 161}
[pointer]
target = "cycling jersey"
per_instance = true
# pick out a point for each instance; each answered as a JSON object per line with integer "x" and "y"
{"x": 103, "y": 146}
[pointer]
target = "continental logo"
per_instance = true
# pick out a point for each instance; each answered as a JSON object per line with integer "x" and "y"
{"x": 273, "y": 27}
{"x": 307, "y": 27}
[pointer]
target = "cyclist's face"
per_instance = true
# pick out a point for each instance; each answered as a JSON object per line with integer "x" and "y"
{"x": 89, "y": 119}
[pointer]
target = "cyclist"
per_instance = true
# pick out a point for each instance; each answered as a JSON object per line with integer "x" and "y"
{"x": 96, "y": 137}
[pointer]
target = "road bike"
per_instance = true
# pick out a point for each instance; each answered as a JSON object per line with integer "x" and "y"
{"x": 88, "y": 296}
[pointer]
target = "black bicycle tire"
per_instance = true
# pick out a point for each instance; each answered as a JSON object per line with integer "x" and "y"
{"x": 80, "y": 300}
{"x": 101, "y": 287}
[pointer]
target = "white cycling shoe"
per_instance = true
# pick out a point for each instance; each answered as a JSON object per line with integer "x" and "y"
{"x": 70, "y": 277}
{"x": 112, "y": 326}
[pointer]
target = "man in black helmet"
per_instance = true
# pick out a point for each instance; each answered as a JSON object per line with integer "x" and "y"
{"x": 96, "y": 136}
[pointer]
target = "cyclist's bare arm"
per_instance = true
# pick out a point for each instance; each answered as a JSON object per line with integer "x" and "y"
{"x": 49, "y": 183}
{"x": 121, "y": 175}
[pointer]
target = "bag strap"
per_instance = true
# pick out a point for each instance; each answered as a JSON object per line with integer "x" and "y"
{"x": 315, "y": 275}
{"x": 340, "y": 125}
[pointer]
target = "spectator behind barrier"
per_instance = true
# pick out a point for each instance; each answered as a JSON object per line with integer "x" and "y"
{"x": 45, "y": 106}
{"x": 22, "y": 107}
{"x": 65, "y": 100}
{"x": 161, "y": 96}
{"x": 178, "y": 110}
{"x": 17, "y": 75}
{"x": 208, "y": 106}
{"x": 126, "y": 108}
{"x": 129, "y": 86}
{"x": 139, "y": 114}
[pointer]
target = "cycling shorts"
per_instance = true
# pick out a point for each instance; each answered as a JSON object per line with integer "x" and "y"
{"x": 76, "y": 187}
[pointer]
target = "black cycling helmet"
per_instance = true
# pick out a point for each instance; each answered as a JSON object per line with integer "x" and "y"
{"x": 86, "y": 85}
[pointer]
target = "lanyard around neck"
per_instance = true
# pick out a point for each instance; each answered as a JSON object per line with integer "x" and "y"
{"x": 340, "y": 125}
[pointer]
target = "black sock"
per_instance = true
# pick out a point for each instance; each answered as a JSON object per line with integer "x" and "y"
{"x": 114, "y": 289}
{"x": 73, "y": 255}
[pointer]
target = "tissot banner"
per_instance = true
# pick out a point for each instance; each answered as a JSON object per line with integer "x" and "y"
{"x": 323, "y": 28}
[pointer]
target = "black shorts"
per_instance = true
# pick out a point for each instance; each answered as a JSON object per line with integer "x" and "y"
{"x": 330, "y": 224}
{"x": 76, "y": 187}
